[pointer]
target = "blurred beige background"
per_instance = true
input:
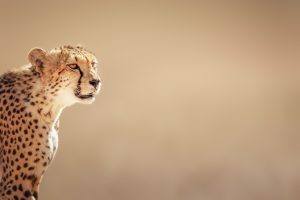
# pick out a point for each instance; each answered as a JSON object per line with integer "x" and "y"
{"x": 201, "y": 99}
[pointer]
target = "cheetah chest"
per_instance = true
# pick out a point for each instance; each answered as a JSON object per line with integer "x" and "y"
{"x": 52, "y": 142}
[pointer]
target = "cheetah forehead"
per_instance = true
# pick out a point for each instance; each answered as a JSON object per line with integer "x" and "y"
{"x": 66, "y": 54}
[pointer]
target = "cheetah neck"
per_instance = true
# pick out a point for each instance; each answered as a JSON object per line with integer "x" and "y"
{"x": 41, "y": 98}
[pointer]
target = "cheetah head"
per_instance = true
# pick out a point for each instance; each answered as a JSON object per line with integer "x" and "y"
{"x": 71, "y": 70}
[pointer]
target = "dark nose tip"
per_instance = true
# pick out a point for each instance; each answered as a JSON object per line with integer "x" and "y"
{"x": 95, "y": 82}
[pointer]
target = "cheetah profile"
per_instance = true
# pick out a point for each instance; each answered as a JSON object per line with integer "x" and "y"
{"x": 31, "y": 101}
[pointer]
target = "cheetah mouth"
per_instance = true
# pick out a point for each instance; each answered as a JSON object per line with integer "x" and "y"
{"x": 84, "y": 96}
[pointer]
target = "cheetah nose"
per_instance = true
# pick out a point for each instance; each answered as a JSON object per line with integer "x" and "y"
{"x": 94, "y": 82}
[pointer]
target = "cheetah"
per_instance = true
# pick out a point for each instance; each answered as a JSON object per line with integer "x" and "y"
{"x": 32, "y": 98}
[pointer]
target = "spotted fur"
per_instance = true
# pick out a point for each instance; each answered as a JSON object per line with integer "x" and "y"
{"x": 31, "y": 100}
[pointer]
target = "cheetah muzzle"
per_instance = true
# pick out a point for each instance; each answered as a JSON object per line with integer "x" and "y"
{"x": 31, "y": 101}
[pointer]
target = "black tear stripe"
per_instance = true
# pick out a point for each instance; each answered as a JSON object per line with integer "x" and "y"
{"x": 79, "y": 80}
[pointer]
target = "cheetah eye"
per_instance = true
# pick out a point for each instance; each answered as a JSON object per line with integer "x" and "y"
{"x": 73, "y": 66}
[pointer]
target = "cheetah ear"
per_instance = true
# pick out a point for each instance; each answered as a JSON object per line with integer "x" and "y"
{"x": 37, "y": 58}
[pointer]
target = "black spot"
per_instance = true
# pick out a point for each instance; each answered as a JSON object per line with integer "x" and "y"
{"x": 35, "y": 194}
{"x": 27, "y": 193}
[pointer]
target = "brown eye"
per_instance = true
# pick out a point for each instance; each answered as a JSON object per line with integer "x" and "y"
{"x": 73, "y": 66}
